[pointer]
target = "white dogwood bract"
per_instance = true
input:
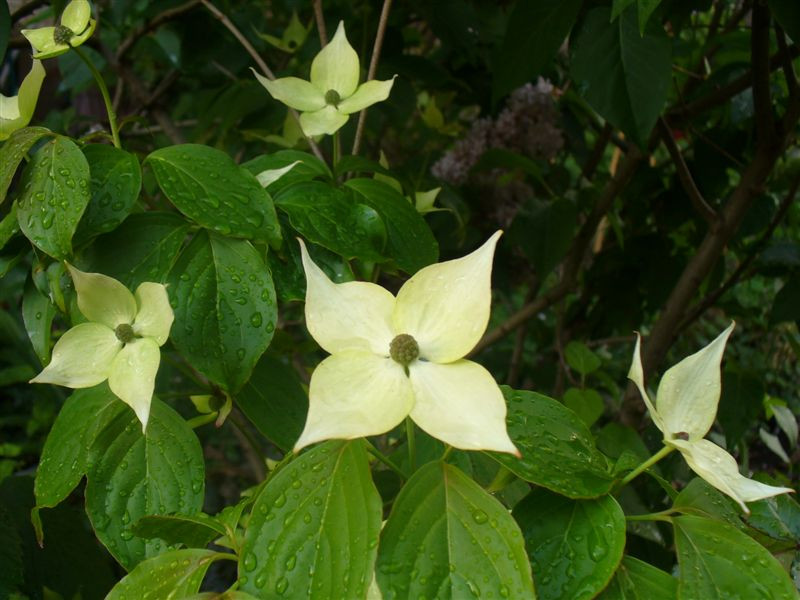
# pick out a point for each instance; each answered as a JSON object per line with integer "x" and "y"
{"x": 393, "y": 357}
{"x": 333, "y": 93}
{"x": 120, "y": 342}
{"x": 685, "y": 409}
{"x": 16, "y": 111}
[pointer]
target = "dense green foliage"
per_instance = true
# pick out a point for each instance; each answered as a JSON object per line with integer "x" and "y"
{"x": 641, "y": 158}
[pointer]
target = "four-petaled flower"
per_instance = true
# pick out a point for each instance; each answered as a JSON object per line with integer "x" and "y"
{"x": 333, "y": 92}
{"x": 16, "y": 111}
{"x": 76, "y": 27}
{"x": 685, "y": 409}
{"x": 119, "y": 343}
{"x": 393, "y": 357}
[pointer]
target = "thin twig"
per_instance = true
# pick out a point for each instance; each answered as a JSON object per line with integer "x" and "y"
{"x": 319, "y": 17}
{"x": 152, "y": 24}
{"x": 373, "y": 67}
{"x": 766, "y": 133}
{"x": 222, "y": 18}
{"x": 695, "y": 197}
{"x": 737, "y": 274}
{"x": 515, "y": 366}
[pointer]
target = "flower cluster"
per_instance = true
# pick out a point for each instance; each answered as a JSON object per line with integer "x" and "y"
{"x": 393, "y": 357}
{"x": 120, "y": 342}
{"x": 684, "y": 411}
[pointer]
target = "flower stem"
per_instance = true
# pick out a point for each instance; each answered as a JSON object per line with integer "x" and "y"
{"x": 656, "y": 516}
{"x": 383, "y": 458}
{"x": 112, "y": 117}
{"x": 646, "y": 464}
{"x": 501, "y": 480}
{"x": 337, "y": 151}
{"x": 412, "y": 445}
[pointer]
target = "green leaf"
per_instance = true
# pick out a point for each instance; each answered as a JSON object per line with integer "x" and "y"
{"x": 778, "y": 517}
{"x": 174, "y": 574}
{"x": 5, "y": 30}
{"x": 410, "y": 241}
{"x": 701, "y": 499}
{"x": 37, "y": 314}
{"x": 330, "y": 217}
{"x": 786, "y": 306}
{"x": 11, "y": 575}
{"x": 275, "y": 401}
{"x": 14, "y": 151}
{"x": 143, "y": 248}
{"x": 55, "y": 191}
{"x": 638, "y": 580}
{"x": 447, "y": 538}
{"x": 116, "y": 179}
{"x": 558, "y": 451}
{"x": 208, "y": 187}
{"x": 623, "y": 75}
{"x": 645, "y": 10}
{"x": 718, "y": 561}
{"x": 8, "y": 226}
{"x": 574, "y": 545}
{"x": 66, "y": 454}
{"x": 314, "y": 528}
{"x": 194, "y": 531}
{"x": 581, "y": 358}
{"x": 309, "y": 167}
{"x": 740, "y": 404}
{"x": 787, "y": 14}
{"x": 225, "y": 311}
{"x": 586, "y": 403}
{"x": 534, "y": 34}
{"x": 546, "y": 234}
{"x": 133, "y": 475}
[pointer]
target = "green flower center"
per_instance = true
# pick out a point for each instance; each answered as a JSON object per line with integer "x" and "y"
{"x": 63, "y": 34}
{"x": 404, "y": 349}
{"x": 333, "y": 98}
{"x": 125, "y": 333}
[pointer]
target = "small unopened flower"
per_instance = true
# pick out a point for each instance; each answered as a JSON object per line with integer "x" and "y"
{"x": 393, "y": 357}
{"x": 120, "y": 342}
{"x": 16, "y": 111}
{"x": 685, "y": 409}
{"x": 333, "y": 93}
{"x": 76, "y": 27}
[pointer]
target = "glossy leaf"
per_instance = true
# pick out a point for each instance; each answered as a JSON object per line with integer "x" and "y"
{"x": 623, "y": 75}
{"x": 586, "y": 403}
{"x": 194, "y": 531}
{"x": 638, "y": 580}
{"x": 275, "y": 401}
{"x": 574, "y": 545}
{"x": 225, "y": 310}
{"x": 55, "y": 191}
{"x": 308, "y": 167}
{"x": 718, "y": 561}
{"x": 558, "y": 451}
{"x": 116, "y": 180}
{"x": 14, "y": 150}
{"x": 778, "y": 517}
{"x": 535, "y": 31}
{"x": 447, "y": 538}
{"x": 208, "y": 187}
{"x": 581, "y": 358}
{"x": 702, "y": 499}
{"x": 143, "y": 248}
{"x": 174, "y": 574}
{"x": 66, "y": 456}
{"x": 330, "y": 217}
{"x": 37, "y": 314}
{"x": 314, "y": 528}
{"x": 409, "y": 239}
{"x": 133, "y": 475}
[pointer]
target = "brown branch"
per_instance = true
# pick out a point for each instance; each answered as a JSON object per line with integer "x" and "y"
{"x": 791, "y": 80}
{"x": 599, "y": 149}
{"x": 320, "y": 19}
{"x": 515, "y": 366}
{"x": 766, "y": 133}
{"x": 737, "y": 274}
{"x": 142, "y": 96}
{"x": 574, "y": 258}
{"x": 373, "y": 67}
{"x": 684, "y": 175}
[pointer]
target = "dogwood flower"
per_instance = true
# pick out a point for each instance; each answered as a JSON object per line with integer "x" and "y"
{"x": 16, "y": 111}
{"x": 120, "y": 342}
{"x": 333, "y": 93}
{"x": 393, "y": 357}
{"x": 685, "y": 409}
{"x": 76, "y": 27}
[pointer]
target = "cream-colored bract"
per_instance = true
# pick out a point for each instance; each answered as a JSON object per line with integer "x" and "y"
{"x": 92, "y": 352}
{"x": 684, "y": 411}
{"x": 76, "y": 27}
{"x": 333, "y": 92}
{"x": 360, "y": 390}
{"x": 16, "y": 111}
